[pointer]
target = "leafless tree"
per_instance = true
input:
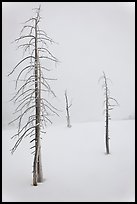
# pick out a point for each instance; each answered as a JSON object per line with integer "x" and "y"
{"x": 108, "y": 107}
{"x": 32, "y": 87}
{"x": 67, "y": 109}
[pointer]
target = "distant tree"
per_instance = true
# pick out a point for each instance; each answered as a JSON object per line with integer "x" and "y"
{"x": 108, "y": 107}
{"x": 33, "y": 89}
{"x": 67, "y": 109}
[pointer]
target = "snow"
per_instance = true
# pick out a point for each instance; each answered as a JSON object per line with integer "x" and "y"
{"x": 75, "y": 165}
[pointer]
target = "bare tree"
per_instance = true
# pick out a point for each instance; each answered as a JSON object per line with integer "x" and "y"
{"x": 67, "y": 109}
{"x": 32, "y": 88}
{"x": 108, "y": 107}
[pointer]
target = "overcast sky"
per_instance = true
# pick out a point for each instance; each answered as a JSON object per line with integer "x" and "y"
{"x": 92, "y": 37}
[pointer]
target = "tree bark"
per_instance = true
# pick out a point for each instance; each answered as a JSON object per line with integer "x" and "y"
{"x": 67, "y": 110}
{"x": 37, "y": 168}
{"x": 107, "y": 136}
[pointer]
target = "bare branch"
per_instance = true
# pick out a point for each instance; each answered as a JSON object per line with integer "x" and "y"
{"x": 30, "y": 133}
{"x": 70, "y": 105}
{"x": 50, "y": 104}
{"x": 21, "y": 116}
{"x": 45, "y": 49}
{"x": 49, "y": 58}
{"x": 25, "y": 36}
{"x": 22, "y": 129}
{"x": 31, "y": 19}
{"x": 45, "y": 68}
{"x": 32, "y": 140}
{"x": 27, "y": 26}
{"x": 26, "y": 44}
{"x": 20, "y": 63}
{"x": 43, "y": 132}
{"x": 16, "y": 110}
{"x": 22, "y": 72}
{"x": 50, "y": 109}
{"x": 114, "y": 100}
{"x": 26, "y": 100}
{"x": 50, "y": 79}
{"x": 33, "y": 147}
{"x": 49, "y": 91}
{"x": 19, "y": 140}
{"x": 30, "y": 94}
{"x": 21, "y": 94}
{"x": 41, "y": 32}
{"x": 46, "y": 118}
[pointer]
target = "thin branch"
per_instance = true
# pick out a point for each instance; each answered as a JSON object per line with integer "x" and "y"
{"x": 45, "y": 68}
{"x": 45, "y": 49}
{"x": 27, "y": 96}
{"x": 50, "y": 104}
{"x": 31, "y": 19}
{"x": 26, "y": 26}
{"x": 49, "y": 58}
{"x": 47, "y": 118}
{"x": 19, "y": 140}
{"x": 30, "y": 133}
{"x": 26, "y": 44}
{"x": 114, "y": 100}
{"x": 50, "y": 109}
{"x": 33, "y": 147}
{"x": 70, "y": 105}
{"x": 20, "y": 95}
{"x": 25, "y": 36}
{"x": 17, "y": 134}
{"x": 26, "y": 100}
{"x": 19, "y": 64}
{"x": 22, "y": 72}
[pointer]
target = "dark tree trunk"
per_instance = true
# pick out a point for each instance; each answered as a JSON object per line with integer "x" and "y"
{"x": 107, "y": 136}
{"x": 107, "y": 116}
{"x": 67, "y": 110}
{"x": 68, "y": 118}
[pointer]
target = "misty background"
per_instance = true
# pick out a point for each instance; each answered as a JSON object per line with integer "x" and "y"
{"x": 92, "y": 37}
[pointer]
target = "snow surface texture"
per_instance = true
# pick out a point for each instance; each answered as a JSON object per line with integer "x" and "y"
{"x": 75, "y": 166}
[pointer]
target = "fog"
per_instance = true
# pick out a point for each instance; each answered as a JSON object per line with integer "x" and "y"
{"x": 92, "y": 37}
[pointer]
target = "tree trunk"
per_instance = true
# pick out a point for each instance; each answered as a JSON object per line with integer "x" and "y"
{"x": 35, "y": 173}
{"x": 68, "y": 119}
{"x": 37, "y": 168}
{"x": 67, "y": 110}
{"x": 107, "y": 136}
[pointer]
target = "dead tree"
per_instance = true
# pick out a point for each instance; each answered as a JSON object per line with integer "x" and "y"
{"x": 32, "y": 87}
{"x": 67, "y": 110}
{"x": 108, "y": 107}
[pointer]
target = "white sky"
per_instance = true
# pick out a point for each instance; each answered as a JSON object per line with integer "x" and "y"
{"x": 92, "y": 37}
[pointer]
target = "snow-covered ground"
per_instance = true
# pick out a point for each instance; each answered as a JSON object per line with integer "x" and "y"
{"x": 75, "y": 166}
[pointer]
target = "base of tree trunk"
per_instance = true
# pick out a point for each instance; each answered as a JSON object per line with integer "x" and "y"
{"x": 40, "y": 178}
{"x": 107, "y": 153}
{"x": 35, "y": 181}
{"x": 35, "y": 184}
{"x": 39, "y": 168}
